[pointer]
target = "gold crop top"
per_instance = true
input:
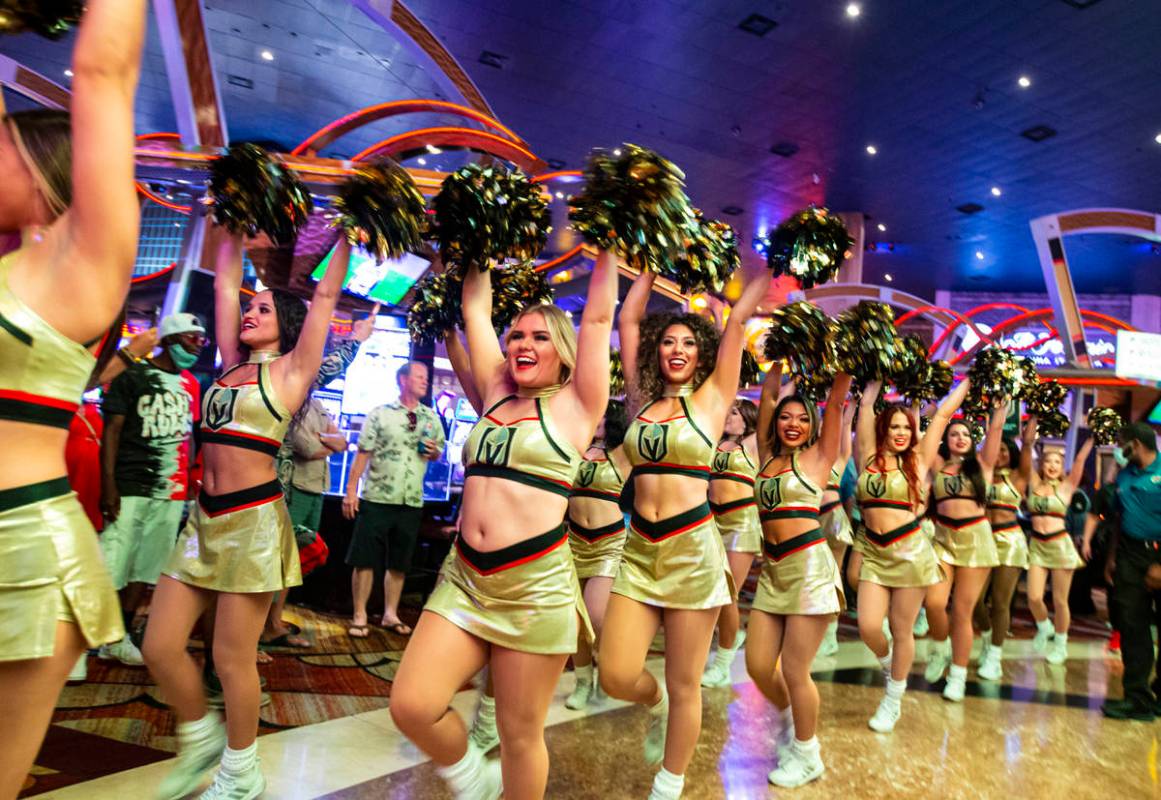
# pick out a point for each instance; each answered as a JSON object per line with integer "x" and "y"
{"x": 733, "y": 465}
{"x": 527, "y": 450}
{"x": 43, "y": 372}
{"x": 673, "y": 446}
{"x": 786, "y": 494}
{"x": 887, "y": 489}
{"x": 248, "y": 415}
{"x": 598, "y": 479}
{"x": 1002, "y": 495}
{"x": 1047, "y": 505}
{"x": 953, "y": 486}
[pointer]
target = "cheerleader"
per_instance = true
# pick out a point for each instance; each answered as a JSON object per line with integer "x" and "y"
{"x": 1052, "y": 550}
{"x": 800, "y": 590}
{"x": 898, "y": 560}
{"x": 994, "y": 611}
{"x": 510, "y": 596}
{"x": 596, "y": 536}
{"x": 964, "y": 544}
{"x": 731, "y": 495}
{"x": 238, "y": 548}
{"x": 69, "y": 218}
{"x": 673, "y": 568}
{"x": 833, "y": 519}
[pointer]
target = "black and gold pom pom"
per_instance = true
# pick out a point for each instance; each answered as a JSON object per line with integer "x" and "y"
{"x": 49, "y": 18}
{"x": 997, "y": 373}
{"x": 616, "y": 374}
{"x": 814, "y": 386}
{"x": 436, "y": 309}
{"x": 514, "y": 288}
{"x": 1053, "y": 424}
{"x": 810, "y": 246}
{"x": 866, "y": 343}
{"x": 799, "y": 332}
{"x": 485, "y": 214}
{"x": 634, "y": 202}
{"x": 710, "y": 256}
{"x": 381, "y": 209}
{"x": 1105, "y": 424}
{"x": 751, "y": 373}
{"x": 1045, "y": 398}
{"x": 251, "y": 192}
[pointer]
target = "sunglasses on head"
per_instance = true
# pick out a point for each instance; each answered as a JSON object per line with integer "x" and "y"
{"x": 412, "y": 421}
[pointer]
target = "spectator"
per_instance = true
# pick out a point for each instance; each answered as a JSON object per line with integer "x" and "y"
{"x": 398, "y": 439}
{"x": 149, "y": 413}
{"x": 1138, "y": 548}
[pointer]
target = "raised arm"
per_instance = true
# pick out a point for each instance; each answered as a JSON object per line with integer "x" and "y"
{"x": 1029, "y": 442}
{"x": 929, "y": 446}
{"x": 1077, "y": 473}
{"x": 992, "y": 439}
{"x": 303, "y": 362}
{"x": 729, "y": 365}
{"x": 629, "y": 332}
{"x": 846, "y": 441}
{"x": 227, "y": 307}
{"x": 590, "y": 384}
{"x": 766, "y": 403}
{"x": 487, "y": 356}
{"x": 826, "y": 450}
{"x": 865, "y": 433}
{"x": 461, "y": 363}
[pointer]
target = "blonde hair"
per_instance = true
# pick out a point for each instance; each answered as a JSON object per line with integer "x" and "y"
{"x": 43, "y": 140}
{"x": 560, "y": 333}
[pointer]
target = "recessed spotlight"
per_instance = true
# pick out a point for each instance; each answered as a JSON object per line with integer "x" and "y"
{"x": 421, "y": 161}
{"x": 617, "y": 152}
{"x": 853, "y": 10}
{"x": 979, "y": 255}
{"x": 882, "y": 227}
{"x": 1024, "y": 81}
{"x": 887, "y": 277}
{"x": 267, "y": 55}
{"x": 560, "y": 195}
{"x": 996, "y": 191}
{"x": 872, "y": 150}
{"x": 69, "y": 74}
{"x": 1156, "y": 138}
{"x": 431, "y": 148}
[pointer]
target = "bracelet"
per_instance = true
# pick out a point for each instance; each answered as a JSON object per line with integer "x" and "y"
{"x": 128, "y": 357}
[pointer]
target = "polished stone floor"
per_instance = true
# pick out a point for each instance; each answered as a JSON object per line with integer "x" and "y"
{"x": 1036, "y": 734}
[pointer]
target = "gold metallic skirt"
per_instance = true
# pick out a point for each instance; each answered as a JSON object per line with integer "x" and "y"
{"x": 679, "y": 562}
{"x": 1055, "y": 551}
{"x": 899, "y": 559}
{"x": 597, "y": 551}
{"x": 525, "y": 597}
{"x": 739, "y": 526}
{"x": 836, "y": 525}
{"x": 800, "y": 576}
{"x": 51, "y": 570}
{"x": 241, "y": 542}
{"x": 928, "y": 526}
{"x": 965, "y": 542}
{"x": 1011, "y": 544}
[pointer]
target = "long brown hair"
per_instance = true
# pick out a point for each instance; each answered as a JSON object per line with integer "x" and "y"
{"x": 44, "y": 139}
{"x": 909, "y": 456}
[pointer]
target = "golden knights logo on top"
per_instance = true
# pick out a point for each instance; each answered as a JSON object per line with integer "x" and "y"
{"x": 877, "y": 485}
{"x": 495, "y": 446}
{"x": 586, "y": 474}
{"x": 653, "y": 441}
{"x": 220, "y": 407}
{"x": 721, "y": 461}
{"x": 770, "y": 495}
{"x": 953, "y": 483}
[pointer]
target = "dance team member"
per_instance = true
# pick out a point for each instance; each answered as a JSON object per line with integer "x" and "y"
{"x": 731, "y": 496}
{"x": 511, "y": 597}
{"x": 899, "y": 562}
{"x": 1052, "y": 550}
{"x": 994, "y": 611}
{"x": 238, "y": 547}
{"x": 800, "y": 589}
{"x": 69, "y": 217}
{"x": 833, "y": 519}
{"x": 673, "y": 569}
{"x": 596, "y": 536}
{"x": 963, "y": 542}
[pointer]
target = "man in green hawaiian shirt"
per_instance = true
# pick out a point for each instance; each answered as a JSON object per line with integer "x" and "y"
{"x": 397, "y": 441}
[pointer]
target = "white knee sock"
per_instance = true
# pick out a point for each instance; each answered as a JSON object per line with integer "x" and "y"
{"x": 240, "y": 760}
{"x": 885, "y": 661}
{"x": 895, "y": 689}
{"x": 464, "y": 774}
{"x": 667, "y": 785}
{"x": 957, "y": 673}
{"x": 809, "y": 749}
{"x": 584, "y": 674}
{"x": 486, "y": 712}
{"x": 198, "y": 728}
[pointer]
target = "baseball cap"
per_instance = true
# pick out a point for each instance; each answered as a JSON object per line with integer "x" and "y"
{"x": 181, "y": 322}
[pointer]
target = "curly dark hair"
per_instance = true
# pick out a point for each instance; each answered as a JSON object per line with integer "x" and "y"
{"x": 650, "y": 383}
{"x": 291, "y": 312}
{"x": 970, "y": 468}
{"x": 615, "y": 424}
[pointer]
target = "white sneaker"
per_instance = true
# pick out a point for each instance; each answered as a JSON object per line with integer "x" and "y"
{"x": 80, "y": 670}
{"x": 829, "y": 644}
{"x": 491, "y": 784}
{"x": 938, "y": 658}
{"x": 1044, "y": 632}
{"x": 244, "y": 785}
{"x": 195, "y": 757}
{"x": 795, "y": 769}
{"x": 989, "y": 668}
{"x": 921, "y": 627}
{"x": 483, "y": 736}
{"x": 953, "y": 691}
{"x": 1058, "y": 650}
{"x": 580, "y": 696}
{"x": 124, "y": 651}
{"x": 885, "y": 716}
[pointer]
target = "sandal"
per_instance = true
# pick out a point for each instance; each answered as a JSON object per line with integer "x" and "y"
{"x": 265, "y": 658}
{"x": 359, "y": 631}
{"x": 399, "y": 628}
{"x": 285, "y": 640}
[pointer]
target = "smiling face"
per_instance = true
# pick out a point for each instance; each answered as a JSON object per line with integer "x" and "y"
{"x": 1052, "y": 465}
{"x": 677, "y": 353}
{"x": 899, "y": 433}
{"x": 1004, "y": 459}
{"x": 735, "y": 423}
{"x": 792, "y": 425}
{"x": 532, "y": 358}
{"x": 260, "y": 323}
{"x": 959, "y": 439}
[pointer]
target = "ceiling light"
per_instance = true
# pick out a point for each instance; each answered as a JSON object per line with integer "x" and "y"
{"x": 872, "y": 150}
{"x": 267, "y": 55}
{"x": 853, "y": 10}
{"x": 757, "y": 24}
{"x": 617, "y": 152}
{"x": 560, "y": 195}
{"x": 1157, "y": 138}
{"x": 431, "y": 148}
{"x": 882, "y": 227}
{"x": 996, "y": 191}
{"x": 69, "y": 74}
{"x": 887, "y": 277}
{"x": 422, "y": 162}
{"x": 1024, "y": 81}
{"x": 979, "y": 255}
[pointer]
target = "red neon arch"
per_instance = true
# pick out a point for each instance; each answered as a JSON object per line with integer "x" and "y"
{"x": 344, "y": 125}
{"x": 960, "y": 317}
{"x": 563, "y": 257}
{"x": 564, "y": 173}
{"x": 151, "y": 275}
{"x": 1053, "y": 333}
{"x": 469, "y": 138}
{"x": 145, "y": 190}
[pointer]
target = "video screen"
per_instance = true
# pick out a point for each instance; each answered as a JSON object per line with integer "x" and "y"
{"x": 387, "y": 282}
{"x": 370, "y": 380}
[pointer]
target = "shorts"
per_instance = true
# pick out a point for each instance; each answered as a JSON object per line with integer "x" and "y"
{"x": 138, "y": 543}
{"x": 305, "y": 508}
{"x": 385, "y": 536}
{"x": 51, "y": 570}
